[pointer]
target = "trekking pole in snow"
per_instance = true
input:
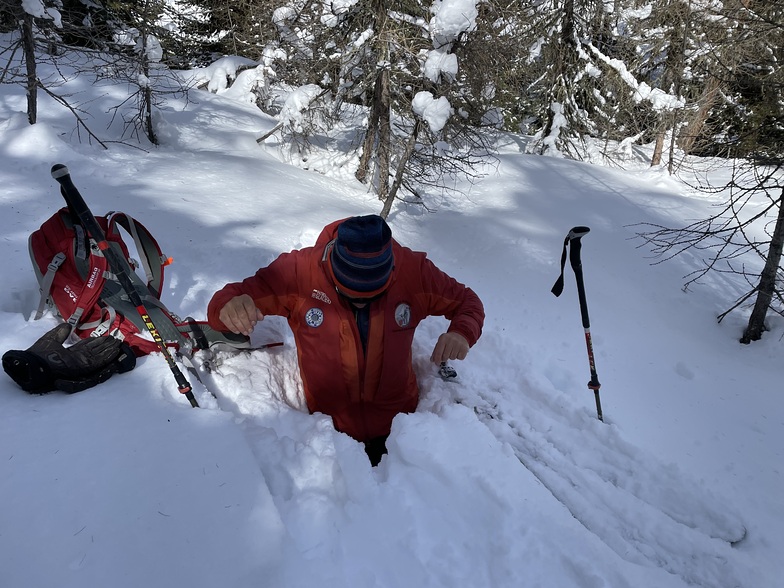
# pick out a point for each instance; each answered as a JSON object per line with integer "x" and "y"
{"x": 572, "y": 241}
{"x": 78, "y": 207}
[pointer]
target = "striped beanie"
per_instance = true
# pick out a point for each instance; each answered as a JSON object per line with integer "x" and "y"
{"x": 361, "y": 260}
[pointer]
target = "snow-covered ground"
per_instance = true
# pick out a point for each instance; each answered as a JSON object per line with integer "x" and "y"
{"x": 504, "y": 478}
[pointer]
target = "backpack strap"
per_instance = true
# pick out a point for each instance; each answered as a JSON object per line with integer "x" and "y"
{"x": 101, "y": 326}
{"x": 114, "y": 296}
{"x": 93, "y": 284}
{"x": 81, "y": 243}
{"x": 152, "y": 258}
{"x": 89, "y": 261}
{"x": 46, "y": 282}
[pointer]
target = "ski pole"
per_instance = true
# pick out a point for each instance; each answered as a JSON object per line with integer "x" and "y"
{"x": 573, "y": 242}
{"x": 78, "y": 207}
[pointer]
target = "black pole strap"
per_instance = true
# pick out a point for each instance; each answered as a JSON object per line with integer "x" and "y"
{"x": 573, "y": 243}
{"x": 77, "y": 205}
{"x": 574, "y": 235}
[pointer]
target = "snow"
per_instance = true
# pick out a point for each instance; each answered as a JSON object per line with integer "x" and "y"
{"x": 333, "y": 10}
{"x": 435, "y": 111}
{"x": 659, "y": 99}
{"x": 216, "y": 76}
{"x": 296, "y": 105}
{"x": 37, "y": 9}
{"x": 450, "y": 19}
{"x": 504, "y": 478}
{"x": 34, "y": 8}
{"x": 559, "y": 122}
{"x": 439, "y": 63}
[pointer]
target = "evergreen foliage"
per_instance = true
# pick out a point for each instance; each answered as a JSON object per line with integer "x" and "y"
{"x": 695, "y": 77}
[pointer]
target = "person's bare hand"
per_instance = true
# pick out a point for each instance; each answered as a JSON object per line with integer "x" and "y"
{"x": 449, "y": 346}
{"x": 240, "y": 315}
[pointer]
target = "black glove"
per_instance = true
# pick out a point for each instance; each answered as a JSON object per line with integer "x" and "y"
{"x": 47, "y": 365}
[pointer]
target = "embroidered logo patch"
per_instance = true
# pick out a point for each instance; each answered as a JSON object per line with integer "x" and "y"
{"x": 319, "y": 295}
{"x": 402, "y": 315}
{"x": 314, "y": 317}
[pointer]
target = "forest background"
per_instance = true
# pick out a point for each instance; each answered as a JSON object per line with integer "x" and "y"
{"x": 411, "y": 92}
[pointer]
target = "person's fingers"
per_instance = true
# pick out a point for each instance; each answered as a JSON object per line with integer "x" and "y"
{"x": 240, "y": 315}
{"x": 462, "y": 347}
{"x": 252, "y": 314}
{"x": 449, "y": 346}
{"x": 438, "y": 351}
{"x": 231, "y": 318}
{"x": 228, "y": 315}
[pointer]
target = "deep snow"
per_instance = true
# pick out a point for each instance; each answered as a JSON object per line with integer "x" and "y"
{"x": 504, "y": 478}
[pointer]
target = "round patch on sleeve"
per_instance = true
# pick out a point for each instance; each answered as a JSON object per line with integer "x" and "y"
{"x": 314, "y": 317}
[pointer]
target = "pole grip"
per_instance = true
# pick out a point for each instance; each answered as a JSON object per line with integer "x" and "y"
{"x": 577, "y": 266}
{"x": 577, "y": 232}
{"x": 77, "y": 205}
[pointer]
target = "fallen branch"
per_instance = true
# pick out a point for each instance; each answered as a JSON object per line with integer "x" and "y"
{"x": 65, "y": 103}
{"x": 270, "y": 133}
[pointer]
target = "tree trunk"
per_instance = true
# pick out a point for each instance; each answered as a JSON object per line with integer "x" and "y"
{"x": 28, "y": 43}
{"x": 688, "y": 137}
{"x": 767, "y": 284}
{"x": 566, "y": 54}
{"x": 658, "y": 149}
{"x": 147, "y": 97}
{"x": 377, "y": 109}
{"x": 671, "y": 156}
{"x": 379, "y": 134}
{"x": 390, "y": 199}
{"x": 384, "y": 139}
{"x": 370, "y": 134}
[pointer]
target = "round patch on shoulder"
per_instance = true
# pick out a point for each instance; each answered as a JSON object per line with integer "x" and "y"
{"x": 314, "y": 317}
{"x": 402, "y": 315}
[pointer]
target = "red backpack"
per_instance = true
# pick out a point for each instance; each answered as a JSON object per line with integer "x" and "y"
{"x": 77, "y": 284}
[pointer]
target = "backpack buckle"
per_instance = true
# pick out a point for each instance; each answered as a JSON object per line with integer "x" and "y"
{"x": 56, "y": 262}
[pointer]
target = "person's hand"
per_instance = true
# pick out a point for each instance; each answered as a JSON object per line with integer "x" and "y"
{"x": 449, "y": 346}
{"x": 240, "y": 315}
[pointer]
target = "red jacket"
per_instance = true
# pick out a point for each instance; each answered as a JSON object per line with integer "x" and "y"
{"x": 362, "y": 392}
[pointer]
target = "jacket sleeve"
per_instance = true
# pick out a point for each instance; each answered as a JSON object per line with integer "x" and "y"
{"x": 445, "y": 296}
{"x": 272, "y": 288}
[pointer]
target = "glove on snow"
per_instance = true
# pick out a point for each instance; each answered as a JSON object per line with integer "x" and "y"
{"x": 48, "y": 365}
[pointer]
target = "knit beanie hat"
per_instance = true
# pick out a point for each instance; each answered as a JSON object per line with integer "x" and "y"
{"x": 361, "y": 260}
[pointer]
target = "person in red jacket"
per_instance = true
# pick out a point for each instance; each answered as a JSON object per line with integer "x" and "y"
{"x": 353, "y": 302}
